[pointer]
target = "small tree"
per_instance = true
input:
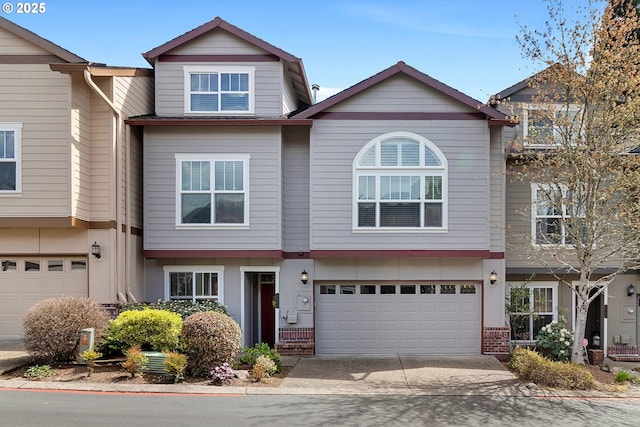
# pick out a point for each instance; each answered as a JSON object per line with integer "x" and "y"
{"x": 589, "y": 92}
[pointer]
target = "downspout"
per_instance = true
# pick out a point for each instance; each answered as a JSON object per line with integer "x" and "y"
{"x": 116, "y": 148}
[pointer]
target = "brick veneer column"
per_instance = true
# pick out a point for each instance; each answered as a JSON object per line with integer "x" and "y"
{"x": 296, "y": 342}
{"x": 496, "y": 341}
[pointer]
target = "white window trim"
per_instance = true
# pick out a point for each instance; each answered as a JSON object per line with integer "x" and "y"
{"x": 525, "y": 120}
{"x": 401, "y": 171}
{"x": 189, "y": 69}
{"x": 17, "y": 129}
{"x": 531, "y": 286}
{"x": 218, "y": 269}
{"x": 211, "y": 158}
{"x": 534, "y": 216}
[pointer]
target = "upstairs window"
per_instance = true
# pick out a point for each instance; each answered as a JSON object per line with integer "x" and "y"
{"x": 222, "y": 90}
{"x": 10, "y": 164}
{"x": 556, "y": 213}
{"x": 400, "y": 182}
{"x": 548, "y": 125}
{"x": 212, "y": 189}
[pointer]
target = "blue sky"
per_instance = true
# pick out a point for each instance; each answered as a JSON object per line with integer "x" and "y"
{"x": 467, "y": 44}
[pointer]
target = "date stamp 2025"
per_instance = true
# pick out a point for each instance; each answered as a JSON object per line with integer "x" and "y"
{"x": 32, "y": 8}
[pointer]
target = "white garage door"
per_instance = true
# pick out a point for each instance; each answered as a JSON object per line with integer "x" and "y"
{"x": 25, "y": 281}
{"x": 398, "y": 318}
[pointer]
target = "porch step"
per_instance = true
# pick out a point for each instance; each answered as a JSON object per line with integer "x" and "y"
{"x": 625, "y": 357}
{"x": 623, "y": 353}
{"x": 296, "y": 348}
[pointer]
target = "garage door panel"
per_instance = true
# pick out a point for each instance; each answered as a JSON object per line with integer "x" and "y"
{"x": 20, "y": 289}
{"x": 420, "y": 323}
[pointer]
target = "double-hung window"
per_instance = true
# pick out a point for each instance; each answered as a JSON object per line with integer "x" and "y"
{"x": 212, "y": 189}
{"x": 10, "y": 163}
{"x": 220, "y": 90}
{"x": 537, "y": 305}
{"x": 198, "y": 283}
{"x": 548, "y": 125}
{"x": 400, "y": 182}
{"x": 555, "y": 211}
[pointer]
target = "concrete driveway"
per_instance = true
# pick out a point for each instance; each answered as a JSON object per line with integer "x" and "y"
{"x": 432, "y": 375}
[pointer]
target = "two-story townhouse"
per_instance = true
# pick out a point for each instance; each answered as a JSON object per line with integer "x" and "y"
{"x": 70, "y": 176}
{"x": 368, "y": 223}
{"x": 612, "y": 322}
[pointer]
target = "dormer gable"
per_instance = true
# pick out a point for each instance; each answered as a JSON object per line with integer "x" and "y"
{"x": 218, "y": 69}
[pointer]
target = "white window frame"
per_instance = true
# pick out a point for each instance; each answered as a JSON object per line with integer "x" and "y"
{"x": 212, "y": 158}
{"x": 554, "y": 297}
{"x": 564, "y": 214}
{"x": 202, "y": 69}
{"x": 525, "y": 120}
{"x": 194, "y": 269}
{"x": 422, "y": 171}
{"x": 16, "y": 128}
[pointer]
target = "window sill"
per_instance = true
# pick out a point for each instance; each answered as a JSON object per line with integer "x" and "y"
{"x": 212, "y": 226}
{"x": 400, "y": 230}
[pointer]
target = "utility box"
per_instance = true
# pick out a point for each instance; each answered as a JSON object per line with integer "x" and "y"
{"x": 87, "y": 339}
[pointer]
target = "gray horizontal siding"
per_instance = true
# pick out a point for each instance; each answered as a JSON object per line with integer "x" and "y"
{"x": 263, "y": 145}
{"x": 296, "y": 190}
{"x": 217, "y": 42}
{"x": 401, "y": 93}
{"x": 497, "y": 191}
{"x": 170, "y": 87}
{"x": 335, "y": 145}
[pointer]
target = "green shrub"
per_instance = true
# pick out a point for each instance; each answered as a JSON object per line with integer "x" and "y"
{"x": 109, "y": 346}
{"x": 263, "y": 368}
{"x": 182, "y": 307}
{"x": 251, "y": 354}
{"x": 52, "y": 327}
{"x": 531, "y": 366}
{"x": 175, "y": 364}
{"x": 210, "y": 339}
{"x": 90, "y": 356}
{"x": 136, "y": 361}
{"x": 151, "y": 329}
{"x": 38, "y": 372}
{"x": 556, "y": 340}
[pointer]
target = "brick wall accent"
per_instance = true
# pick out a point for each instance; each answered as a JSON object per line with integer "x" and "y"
{"x": 496, "y": 341}
{"x": 296, "y": 342}
{"x": 623, "y": 353}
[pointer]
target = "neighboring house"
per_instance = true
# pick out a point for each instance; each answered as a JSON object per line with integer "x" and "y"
{"x": 613, "y": 315}
{"x": 69, "y": 176}
{"x": 369, "y": 223}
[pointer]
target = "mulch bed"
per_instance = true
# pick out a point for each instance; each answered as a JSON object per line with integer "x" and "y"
{"x": 112, "y": 372}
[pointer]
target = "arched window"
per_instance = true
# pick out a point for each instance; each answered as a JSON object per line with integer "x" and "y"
{"x": 400, "y": 182}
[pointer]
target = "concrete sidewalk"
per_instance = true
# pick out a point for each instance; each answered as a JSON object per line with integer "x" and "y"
{"x": 339, "y": 375}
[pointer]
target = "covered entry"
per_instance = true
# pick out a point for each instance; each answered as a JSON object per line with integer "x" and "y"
{"x": 398, "y": 318}
{"x": 260, "y": 290}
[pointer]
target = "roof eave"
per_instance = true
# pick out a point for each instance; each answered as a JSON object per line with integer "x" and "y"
{"x": 188, "y": 121}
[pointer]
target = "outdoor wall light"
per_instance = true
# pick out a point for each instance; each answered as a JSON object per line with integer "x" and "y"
{"x": 95, "y": 250}
{"x": 493, "y": 277}
{"x": 304, "y": 277}
{"x": 631, "y": 290}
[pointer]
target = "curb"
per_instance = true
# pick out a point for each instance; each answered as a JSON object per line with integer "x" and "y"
{"x": 177, "y": 389}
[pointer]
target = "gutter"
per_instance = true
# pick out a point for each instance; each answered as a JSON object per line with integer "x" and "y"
{"x": 116, "y": 148}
